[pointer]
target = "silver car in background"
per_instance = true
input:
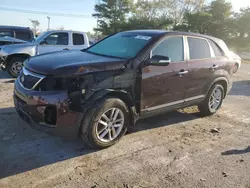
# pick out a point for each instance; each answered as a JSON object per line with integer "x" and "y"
{"x": 13, "y": 56}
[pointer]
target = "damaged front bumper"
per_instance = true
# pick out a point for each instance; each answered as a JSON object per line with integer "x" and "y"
{"x": 3, "y": 63}
{"x": 3, "y": 58}
{"x": 47, "y": 111}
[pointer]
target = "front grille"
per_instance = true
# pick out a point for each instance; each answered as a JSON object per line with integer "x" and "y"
{"x": 28, "y": 79}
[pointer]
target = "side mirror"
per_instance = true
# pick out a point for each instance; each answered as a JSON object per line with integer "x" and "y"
{"x": 43, "y": 42}
{"x": 159, "y": 60}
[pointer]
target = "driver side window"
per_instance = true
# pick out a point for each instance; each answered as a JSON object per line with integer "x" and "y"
{"x": 57, "y": 39}
{"x": 171, "y": 47}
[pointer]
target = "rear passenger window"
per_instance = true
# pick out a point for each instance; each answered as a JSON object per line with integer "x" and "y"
{"x": 171, "y": 47}
{"x": 78, "y": 39}
{"x": 198, "y": 48}
{"x": 216, "y": 49}
{"x": 23, "y": 35}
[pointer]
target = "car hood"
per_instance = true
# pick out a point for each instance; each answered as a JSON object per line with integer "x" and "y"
{"x": 11, "y": 39}
{"x": 18, "y": 45}
{"x": 72, "y": 63}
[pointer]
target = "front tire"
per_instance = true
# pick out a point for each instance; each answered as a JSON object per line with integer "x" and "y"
{"x": 105, "y": 123}
{"x": 15, "y": 66}
{"x": 213, "y": 100}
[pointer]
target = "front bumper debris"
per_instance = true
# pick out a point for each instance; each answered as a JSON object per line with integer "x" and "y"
{"x": 33, "y": 107}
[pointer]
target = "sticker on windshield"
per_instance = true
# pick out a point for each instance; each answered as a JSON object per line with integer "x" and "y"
{"x": 143, "y": 37}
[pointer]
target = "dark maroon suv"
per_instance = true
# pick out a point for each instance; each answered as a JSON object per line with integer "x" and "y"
{"x": 98, "y": 92}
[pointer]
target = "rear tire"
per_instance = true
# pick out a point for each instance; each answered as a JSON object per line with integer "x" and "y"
{"x": 94, "y": 133}
{"x": 213, "y": 100}
{"x": 15, "y": 66}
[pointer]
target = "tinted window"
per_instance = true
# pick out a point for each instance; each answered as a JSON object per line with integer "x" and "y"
{"x": 5, "y": 34}
{"x": 57, "y": 39}
{"x": 23, "y": 35}
{"x": 198, "y": 48}
{"x": 78, "y": 39}
{"x": 216, "y": 49}
{"x": 171, "y": 47}
{"x": 123, "y": 45}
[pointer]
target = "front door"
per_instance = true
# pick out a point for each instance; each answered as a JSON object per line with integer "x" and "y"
{"x": 164, "y": 86}
{"x": 54, "y": 42}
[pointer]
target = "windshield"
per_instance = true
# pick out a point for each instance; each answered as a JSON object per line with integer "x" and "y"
{"x": 40, "y": 37}
{"x": 5, "y": 34}
{"x": 122, "y": 45}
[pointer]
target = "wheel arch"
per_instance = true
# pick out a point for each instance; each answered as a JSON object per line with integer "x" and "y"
{"x": 120, "y": 94}
{"x": 8, "y": 59}
{"x": 221, "y": 80}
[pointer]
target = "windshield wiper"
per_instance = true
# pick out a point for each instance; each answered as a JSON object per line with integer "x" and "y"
{"x": 106, "y": 55}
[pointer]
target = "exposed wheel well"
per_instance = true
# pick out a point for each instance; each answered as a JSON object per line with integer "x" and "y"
{"x": 127, "y": 99}
{"x": 123, "y": 96}
{"x": 8, "y": 59}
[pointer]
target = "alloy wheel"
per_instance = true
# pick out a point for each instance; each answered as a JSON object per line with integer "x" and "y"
{"x": 110, "y": 125}
{"x": 17, "y": 67}
{"x": 215, "y": 99}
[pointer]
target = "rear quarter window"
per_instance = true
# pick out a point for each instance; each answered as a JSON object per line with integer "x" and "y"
{"x": 217, "y": 51}
{"x": 78, "y": 39}
{"x": 23, "y": 35}
{"x": 198, "y": 48}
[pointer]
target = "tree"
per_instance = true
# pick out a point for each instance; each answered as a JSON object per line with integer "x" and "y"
{"x": 176, "y": 9}
{"x": 90, "y": 35}
{"x": 146, "y": 15}
{"x": 221, "y": 12}
{"x": 61, "y": 28}
{"x": 213, "y": 20}
{"x": 111, "y": 15}
{"x": 35, "y": 24}
{"x": 240, "y": 33}
{"x": 198, "y": 22}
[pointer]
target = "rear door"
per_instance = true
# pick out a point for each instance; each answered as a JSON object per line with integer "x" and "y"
{"x": 57, "y": 41}
{"x": 202, "y": 64}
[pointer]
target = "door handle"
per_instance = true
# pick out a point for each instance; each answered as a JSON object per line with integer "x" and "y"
{"x": 215, "y": 67}
{"x": 182, "y": 72}
{"x": 65, "y": 49}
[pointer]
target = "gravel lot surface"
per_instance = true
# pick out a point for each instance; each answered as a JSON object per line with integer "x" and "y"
{"x": 178, "y": 149}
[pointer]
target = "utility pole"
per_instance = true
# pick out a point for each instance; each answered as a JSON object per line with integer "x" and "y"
{"x": 98, "y": 2}
{"x": 48, "y": 22}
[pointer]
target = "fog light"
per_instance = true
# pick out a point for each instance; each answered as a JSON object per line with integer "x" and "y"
{"x": 50, "y": 115}
{"x": 41, "y": 109}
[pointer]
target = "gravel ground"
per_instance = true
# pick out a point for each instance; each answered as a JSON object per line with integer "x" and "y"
{"x": 178, "y": 149}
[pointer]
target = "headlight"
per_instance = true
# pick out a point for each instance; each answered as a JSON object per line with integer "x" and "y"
{"x": 51, "y": 83}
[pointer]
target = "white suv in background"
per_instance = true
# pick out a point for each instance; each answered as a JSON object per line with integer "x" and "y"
{"x": 237, "y": 60}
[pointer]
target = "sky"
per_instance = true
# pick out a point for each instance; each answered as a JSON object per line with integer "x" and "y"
{"x": 84, "y": 8}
